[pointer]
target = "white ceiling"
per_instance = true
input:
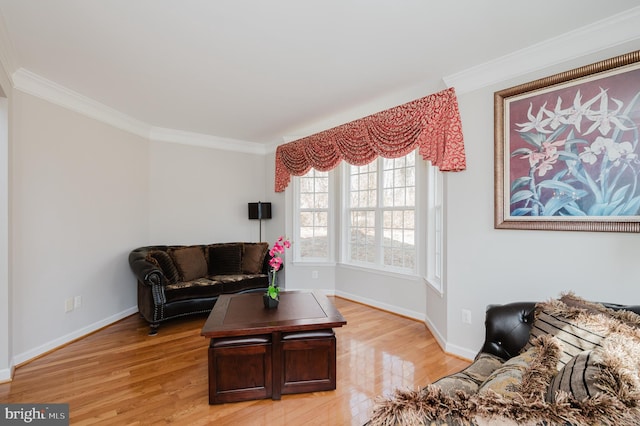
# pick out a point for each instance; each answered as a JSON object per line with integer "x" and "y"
{"x": 261, "y": 70}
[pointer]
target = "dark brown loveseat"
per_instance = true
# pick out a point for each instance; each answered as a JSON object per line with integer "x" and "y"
{"x": 174, "y": 281}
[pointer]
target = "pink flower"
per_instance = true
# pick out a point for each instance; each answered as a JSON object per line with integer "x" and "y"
{"x": 276, "y": 251}
{"x": 275, "y": 263}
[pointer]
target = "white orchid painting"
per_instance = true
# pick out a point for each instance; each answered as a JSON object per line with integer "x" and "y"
{"x": 573, "y": 150}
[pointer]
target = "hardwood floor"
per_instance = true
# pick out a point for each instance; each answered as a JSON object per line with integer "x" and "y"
{"x": 121, "y": 376}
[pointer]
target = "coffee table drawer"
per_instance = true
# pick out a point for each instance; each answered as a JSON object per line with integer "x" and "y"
{"x": 308, "y": 362}
{"x": 240, "y": 369}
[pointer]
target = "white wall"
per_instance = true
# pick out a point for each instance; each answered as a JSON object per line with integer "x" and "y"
{"x": 6, "y": 363}
{"x": 79, "y": 203}
{"x": 83, "y": 194}
{"x": 486, "y": 265}
{"x": 200, "y": 195}
{"x": 276, "y": 226}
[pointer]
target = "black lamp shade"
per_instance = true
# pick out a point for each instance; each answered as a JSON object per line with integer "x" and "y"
{"x": 259, "y": 210}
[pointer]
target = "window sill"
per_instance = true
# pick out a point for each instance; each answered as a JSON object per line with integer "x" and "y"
{"x": 314, "y": 263}
{"x": 435, "y": 287}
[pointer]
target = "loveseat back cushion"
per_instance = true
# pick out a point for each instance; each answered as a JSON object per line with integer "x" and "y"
{"x": 162, "y": 259}
{"x": 253, "y": 257}
{"x": 225, "y": 258}
{"x": 190, "y": 262}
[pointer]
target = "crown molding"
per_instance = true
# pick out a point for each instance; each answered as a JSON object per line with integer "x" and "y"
{"x": 615, "y": 30}
{"x": 199, "y": 139}
{"x": 33, "y": 84}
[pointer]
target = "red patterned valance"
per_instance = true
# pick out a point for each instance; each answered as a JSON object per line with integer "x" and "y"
{"x": 431, "y": 124}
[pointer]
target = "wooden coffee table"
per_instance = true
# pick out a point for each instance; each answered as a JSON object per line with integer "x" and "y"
{"x": 258, "y": 353}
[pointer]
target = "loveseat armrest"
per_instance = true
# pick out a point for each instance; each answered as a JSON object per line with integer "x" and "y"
{"x": 507, "y": 328}
{"x": 145, "y": 271}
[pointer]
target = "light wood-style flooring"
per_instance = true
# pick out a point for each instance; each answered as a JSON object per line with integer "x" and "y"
{"x": 121, "y": 376}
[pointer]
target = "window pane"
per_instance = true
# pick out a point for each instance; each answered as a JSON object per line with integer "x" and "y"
{"x": 411, "y": 197}
{"x": 399, "y": 197}
{"x": 306, "y": 219}
{"x": 362, "y": 236}
{"x": 320, "y": 219}
{"x": 306, "y": 201}
{"x": 306, "y": 184}
{"x": 322, "y": 201}
{"x": 399, "y": 242}
{"x": 322, "y": 184}
{"x": 387, "y": 197}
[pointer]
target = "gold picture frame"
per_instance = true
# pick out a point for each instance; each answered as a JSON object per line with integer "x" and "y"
{"x": 567, "y": 154}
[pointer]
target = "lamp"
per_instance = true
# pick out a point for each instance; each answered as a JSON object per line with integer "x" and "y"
{"x": 260, "y": 211}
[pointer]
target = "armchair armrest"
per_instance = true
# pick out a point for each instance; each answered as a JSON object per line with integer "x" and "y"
{"x": 507, "y": 328}
{"x": 145, "y": 271}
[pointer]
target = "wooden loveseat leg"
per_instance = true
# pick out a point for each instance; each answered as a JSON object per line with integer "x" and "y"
{"x": 153, "y": 328}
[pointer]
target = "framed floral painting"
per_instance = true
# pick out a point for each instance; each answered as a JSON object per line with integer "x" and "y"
{"x": 566, "y": 150}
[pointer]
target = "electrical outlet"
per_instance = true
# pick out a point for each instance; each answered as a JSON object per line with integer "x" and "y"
{"x": 68, "y": 305}
{"x": 77, "y": 302}
{"x": 466, "y": 316}
{"x": 314, "y": 275}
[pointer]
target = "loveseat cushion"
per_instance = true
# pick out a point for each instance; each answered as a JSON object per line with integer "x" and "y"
{"x": 190, "y": 262}
{"x": 470, "y": 379}
{"x": 194, "y": 289}
{"x": 225, "y": 258}
{"x": 522, "y": 375}
{"x": 240, "y": 282}
{"x": 162, "y": 260}
{"x": 253, "y": 257}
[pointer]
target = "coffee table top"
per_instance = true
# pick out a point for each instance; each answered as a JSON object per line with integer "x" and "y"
{"x": 245, "y": 314}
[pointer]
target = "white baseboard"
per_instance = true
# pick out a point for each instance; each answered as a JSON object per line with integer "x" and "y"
{"x": 436, "y": 334}
{"x": 6, "y": 374}
{"x": 53, "y": 344}
{"x": 384, "y": 306}
{"x": 465, "y": 353}
{"x": 456, "y": 350}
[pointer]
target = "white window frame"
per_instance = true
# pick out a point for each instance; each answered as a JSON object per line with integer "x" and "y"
{"x": 379, "y": 209}
{"x": 435, "y": 237}
{"x": 297, "y": 256}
